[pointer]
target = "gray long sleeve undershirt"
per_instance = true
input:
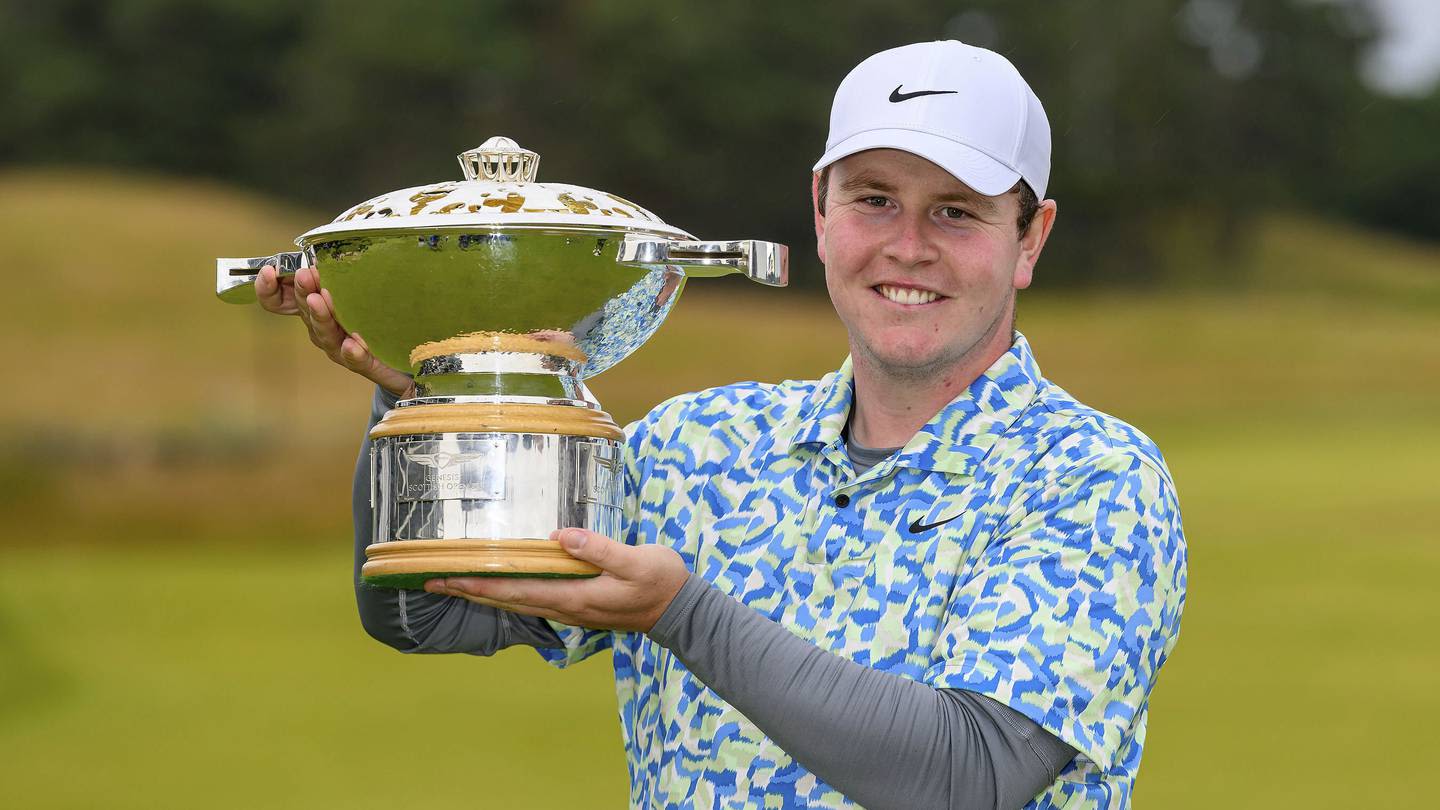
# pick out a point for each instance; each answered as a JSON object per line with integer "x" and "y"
{"x": 880, "y": 739}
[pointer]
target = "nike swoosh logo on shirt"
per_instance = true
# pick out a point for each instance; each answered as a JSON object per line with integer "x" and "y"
{"x": 896, "y": 96}
{"x": 917, "y": 526}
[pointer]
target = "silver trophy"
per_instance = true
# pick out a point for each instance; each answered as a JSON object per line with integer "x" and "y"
{"x": 501, "y": 296}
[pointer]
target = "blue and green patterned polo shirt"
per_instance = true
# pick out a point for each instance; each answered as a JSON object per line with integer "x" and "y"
{"x": 1021, "y": 545}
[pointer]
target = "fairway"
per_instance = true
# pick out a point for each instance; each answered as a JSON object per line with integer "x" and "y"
{"x": 246, "y": 681}
{"x": 175, "y": 603}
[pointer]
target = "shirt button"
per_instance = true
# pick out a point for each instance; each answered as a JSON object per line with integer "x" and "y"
{"x": 842, "y": 500}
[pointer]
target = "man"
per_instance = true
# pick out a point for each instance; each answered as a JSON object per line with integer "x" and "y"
{"x": 930, "y": 579}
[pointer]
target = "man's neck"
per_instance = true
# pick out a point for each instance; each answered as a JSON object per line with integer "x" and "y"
{"x": 890, "y": 408}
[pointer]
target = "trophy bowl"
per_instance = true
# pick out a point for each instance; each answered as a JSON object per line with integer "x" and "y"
{"x": 500, "y": 295}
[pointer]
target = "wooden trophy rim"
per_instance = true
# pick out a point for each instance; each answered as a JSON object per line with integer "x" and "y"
{"x": 498, "y": 417}
{"x": 481, "y": 557}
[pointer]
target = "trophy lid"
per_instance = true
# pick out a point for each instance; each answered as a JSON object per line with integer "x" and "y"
{"x": 499, "y": 191}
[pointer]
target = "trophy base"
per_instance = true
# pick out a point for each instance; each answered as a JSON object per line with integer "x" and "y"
{"x": 408, "y": 563}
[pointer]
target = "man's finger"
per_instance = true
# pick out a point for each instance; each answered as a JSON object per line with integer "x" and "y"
{"x": 356, "y": 356}
{"x": 323, "y": 330}
{"x": 265, "y": 285}
{"x": 583, "y": 544}
{"x": 533, "y": 596}
{"x": 267, "y": 290}
{"x": 307, "y": 280}
{"x": 438, "y": 586}
{"x": 319, "y": 308}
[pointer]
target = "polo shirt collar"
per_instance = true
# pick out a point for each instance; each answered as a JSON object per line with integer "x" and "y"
{"x": 823, "y": 415}
{"x": 957, "y": 438}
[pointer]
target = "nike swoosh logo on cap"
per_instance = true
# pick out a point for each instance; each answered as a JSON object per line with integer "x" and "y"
{"x": 896, "y": 96}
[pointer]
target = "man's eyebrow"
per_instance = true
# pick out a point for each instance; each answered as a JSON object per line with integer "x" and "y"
{"x": 977, "y": 201}
{"x": 865, "y": 181}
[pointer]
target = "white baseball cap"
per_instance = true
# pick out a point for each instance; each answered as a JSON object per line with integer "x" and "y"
{"x": 963, "y": 108}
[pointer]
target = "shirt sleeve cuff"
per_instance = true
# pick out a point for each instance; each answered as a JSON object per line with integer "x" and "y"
{"x": 668, "y": 627}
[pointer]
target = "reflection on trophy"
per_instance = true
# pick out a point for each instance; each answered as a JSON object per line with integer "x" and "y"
{"x": 501, "y": 295}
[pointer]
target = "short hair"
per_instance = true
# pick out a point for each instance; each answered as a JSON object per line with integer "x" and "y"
{"x": 1029, "y": 203}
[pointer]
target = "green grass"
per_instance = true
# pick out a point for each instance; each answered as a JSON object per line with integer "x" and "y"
{"x": 231, "y": 679}
{"x": 174, "y": 472}
{"x": 1308, "y": 648}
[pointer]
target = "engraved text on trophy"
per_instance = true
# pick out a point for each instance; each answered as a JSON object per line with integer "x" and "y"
{"x": 476, "y": 472}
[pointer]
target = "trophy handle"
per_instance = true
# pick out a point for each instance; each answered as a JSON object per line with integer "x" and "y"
{"x": 765, "y": 262}
{"x": 235, "y": 278}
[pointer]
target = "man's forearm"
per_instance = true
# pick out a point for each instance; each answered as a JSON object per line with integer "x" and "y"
{"x": 882, "y": 740}
{"x": 420, "y": 622}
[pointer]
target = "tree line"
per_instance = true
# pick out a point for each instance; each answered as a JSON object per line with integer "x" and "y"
{"x": 1174, "y": 121}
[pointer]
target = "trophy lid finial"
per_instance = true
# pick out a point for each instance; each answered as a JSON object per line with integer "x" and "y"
{"x": 500, "y": 159}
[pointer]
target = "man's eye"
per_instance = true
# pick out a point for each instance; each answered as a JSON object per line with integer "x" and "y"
{"x": 877, "y": 202}
{"x": 951, "y": 212}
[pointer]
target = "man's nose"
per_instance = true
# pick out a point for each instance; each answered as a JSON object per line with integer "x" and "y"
{"x": 912, "y": 243}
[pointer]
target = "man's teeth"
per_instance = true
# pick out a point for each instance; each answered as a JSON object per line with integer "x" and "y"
{"x": 907, "y": 295}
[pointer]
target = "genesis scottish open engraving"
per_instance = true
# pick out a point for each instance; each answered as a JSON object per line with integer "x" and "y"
{"x": 473, "y": 471}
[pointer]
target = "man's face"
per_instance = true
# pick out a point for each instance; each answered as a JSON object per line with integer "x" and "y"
{"x": 922, "y": 270}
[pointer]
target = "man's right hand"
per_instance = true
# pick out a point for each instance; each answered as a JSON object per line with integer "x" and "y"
{"x": 302, "y": 295}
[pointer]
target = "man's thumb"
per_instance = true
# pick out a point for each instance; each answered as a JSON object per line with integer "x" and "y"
{"x": 583, "y": 544}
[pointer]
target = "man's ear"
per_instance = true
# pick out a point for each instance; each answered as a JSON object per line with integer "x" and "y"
{"x": 1032, "y": 242}
{"x": 819, "y": 216}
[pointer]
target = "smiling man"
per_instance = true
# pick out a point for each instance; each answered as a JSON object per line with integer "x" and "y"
{"x": 930, "y": 579}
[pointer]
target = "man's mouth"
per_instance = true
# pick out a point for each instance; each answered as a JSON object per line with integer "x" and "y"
{"x": 908, "y": 296}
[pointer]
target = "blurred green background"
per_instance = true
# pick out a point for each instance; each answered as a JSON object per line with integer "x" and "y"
{"x": 1246, "y": 266}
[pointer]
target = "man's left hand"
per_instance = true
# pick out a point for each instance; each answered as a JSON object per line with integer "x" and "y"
{"x": 637, "y": 583}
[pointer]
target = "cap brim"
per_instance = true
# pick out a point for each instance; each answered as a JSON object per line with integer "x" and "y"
{"x": 972, "y": 167}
